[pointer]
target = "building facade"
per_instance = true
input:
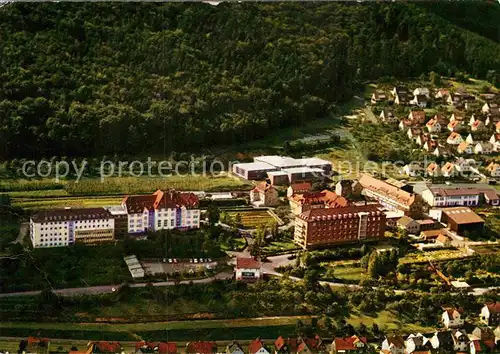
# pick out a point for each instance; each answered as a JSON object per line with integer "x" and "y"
{"x": 64, "y": 227}
{"x": 162, "y": 211}
{"x": 444, "y": 197}
{"x": 333, "y": 226}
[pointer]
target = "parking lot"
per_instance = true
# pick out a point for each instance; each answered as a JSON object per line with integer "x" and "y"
{"x": 159, "y": 266}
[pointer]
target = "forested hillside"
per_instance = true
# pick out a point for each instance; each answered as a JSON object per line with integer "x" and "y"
{"x": 130, "y": 78}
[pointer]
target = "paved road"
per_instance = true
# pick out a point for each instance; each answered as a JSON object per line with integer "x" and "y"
{"x": 109, "y": 288}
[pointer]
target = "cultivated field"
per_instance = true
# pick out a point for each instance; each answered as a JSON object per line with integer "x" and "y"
{"x": 251, "y": 219}
{"x": 436, "y": 255}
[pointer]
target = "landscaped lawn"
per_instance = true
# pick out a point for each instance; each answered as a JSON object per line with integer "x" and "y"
{"x": 279, "y": 246}
{"x": 388, "y": 322}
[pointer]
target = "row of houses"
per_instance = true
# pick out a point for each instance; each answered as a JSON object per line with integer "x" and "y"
{"x": 453, "y": 339}
{"x": 137, "y": 214}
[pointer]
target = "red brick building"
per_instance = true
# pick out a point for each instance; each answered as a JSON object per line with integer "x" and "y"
{"x": 334, "y": 226}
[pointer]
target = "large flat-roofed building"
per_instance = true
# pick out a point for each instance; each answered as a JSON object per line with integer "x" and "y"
{"x": 462, "y": 219}
{"x": 392, "y": 197}
{"x": 283, "y": 169}
{"x": 333, "y": 226}
{"x": 64, "y": 227}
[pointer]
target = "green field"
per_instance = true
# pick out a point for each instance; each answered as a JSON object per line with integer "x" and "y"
{"x": 436, "y": 255}
{"x": 75, "y": 202}
{"x": 251, "y": 219}
{"x": 279, "y": 246}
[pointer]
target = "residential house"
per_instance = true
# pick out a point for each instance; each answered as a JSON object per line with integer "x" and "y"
{"x": 420, "y": 101}
{"x": 417, "y": 343}
{"x": 484, "y": 148}
{"x": 431, "y": 235}
{"x": 426, "y": 224}
{"x": 378, "y": 96}
{"x": 264, "y": 195}
{"x": 316, "y": 228}
{"x": 495, "y": 140}
{"x": 35, "y": 345}
{"x": 392, "y": 197}
{"x": 399, "y": 90}
{"x": 477, "y": 125}
{"x": 482, "y": 346}
{"x": 405, "y": 124}
{"x": 433, "y": 170}
{"x": 353, "y": 344}
{"x": 234, "y": 348}
{"x": 422, "y": 139}
{"x": 413, "y": 169}
{"x": 387, "y": 116}
{"x": 442, "y": 341}
{"x": 442, "y": 93}
{"x": 286, "y": 346}
{"x": 451, "y": 317}
{"x": 414, "y": 132}
{"x": 157, "y": 348}
{"x": 257, "y": 347}
{"x": 401, "y": 99}
{"x": 490, "y": 196}
{"x": 431, "y": 145}
{"x": 298, "y": 188}
{"x": 433, "y": 125}
{"x": 454, "y": 139}
{"x": 421, "y": 91}
{"x": 464, "y": 166}
{"x": 201, "y": 347}
{"x": 482, "y": 333}
{"x": 440, "y": 151}
{"x": 448, "y": 170}
{"x": 247, "y": 269}
{"x": 490, "y": 314}
{"x": 464, "y": 148}
{"x": 417, "y": 117}
{"x": 455, "y": 100}
{"x": 494, "y": 169}
{"x": 488, "y": 107}
{"x": 460, "y": 340}
{"x": 393, "y": 345}
{"x": 454, "y": 125}
{"x": 492, "y": 120}
{"x": 106, "y": 347}
{"x": 457, "y": 116}
{"x": 409, "y": 225}
{"x": 300, "y": 203}
{"x": 470, "y": 139}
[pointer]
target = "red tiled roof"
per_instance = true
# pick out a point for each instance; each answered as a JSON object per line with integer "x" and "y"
{"x": 390, "y": 191}
{"x": 494, "y": 308}
{"x": 248, "y": 263}
{"x": 108, "y": 347}
{"x": 291, "y": 343}
{"x": 160, "y": 347}
{"x": 326, "y": 197}
{"x": 201, "y": 347}
{"x": 304, "y": 186}
{"x": 348, "y": 343}
{"x": 160, "y": 200}
{"x": 255, "y": 346}
{"x": 334, "y": 213}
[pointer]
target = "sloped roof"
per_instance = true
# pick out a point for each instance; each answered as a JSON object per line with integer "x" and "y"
{"x": 248, "y": 263}
{"x": 334, "y": 213}
{"x": 387, "y": 189}
{"x": 348, "y": 343}
{"x": 494, "y": 307}
{"x": 107, "y": 347}
{"x": 255, "y": 346}
{"x": 201, "y": 347}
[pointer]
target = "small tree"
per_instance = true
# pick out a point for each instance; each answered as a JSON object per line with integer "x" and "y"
{"x": 435, "y": 78}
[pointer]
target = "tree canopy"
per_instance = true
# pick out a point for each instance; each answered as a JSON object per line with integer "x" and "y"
{"x": 80, "y": 79}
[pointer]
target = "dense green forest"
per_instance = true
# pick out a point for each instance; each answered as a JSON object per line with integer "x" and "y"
{"x": 102, "y": 78}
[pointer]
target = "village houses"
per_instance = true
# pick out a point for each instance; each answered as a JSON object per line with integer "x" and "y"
{"x": 452, "y": 318}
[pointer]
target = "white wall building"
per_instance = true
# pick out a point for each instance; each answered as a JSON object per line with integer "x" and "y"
{"x": 162, "y": 211}
{"x": 452, "y": 318}
{"x": 248, "y": 269}
{"x": 64, "y": 227}
{"x": 443, "y": 197}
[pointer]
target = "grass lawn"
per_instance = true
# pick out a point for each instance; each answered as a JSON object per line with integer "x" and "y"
{"x": 388, "y": 322}
{"x": 279, "y": 246}
{"x": 349, "y": 273}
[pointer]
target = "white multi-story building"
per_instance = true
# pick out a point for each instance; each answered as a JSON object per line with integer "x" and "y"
{"x": 64, "y": 227}
{"x": 162, "y": 210}
{"x": 444, "y": 197}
